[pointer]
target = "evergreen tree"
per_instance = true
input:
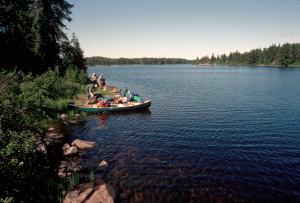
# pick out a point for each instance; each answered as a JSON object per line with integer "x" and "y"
{"x": 213, "y": 58}
{"x": 15, "y": 34}
{"x": 48, "y": 33}
{"x": 197, "y": 61}
{"x": 284, "y": 58}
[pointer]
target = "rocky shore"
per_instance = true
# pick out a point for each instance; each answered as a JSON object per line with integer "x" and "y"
{"x": 60, "y": 162}
{"x": 63, "y": 157}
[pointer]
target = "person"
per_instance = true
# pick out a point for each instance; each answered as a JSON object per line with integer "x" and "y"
{"x": 101, "y": 81}
{"x": 94, "y": 79}
{"x": 88, "y": 89}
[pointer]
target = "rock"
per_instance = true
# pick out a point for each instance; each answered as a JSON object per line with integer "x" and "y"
{"x": 73, "y": 167}
{"x": 71, "y": 196}
{"x": 63, "y": 175}
{"x": 103, "y": 194}
{"x": 82, "y": 153}
{"x": 83, "y": 196}
{"x": 63, "y": 115}
{"x": 78, "y": 115}
{"x": 51, "y": 129}
{"x": 84, "y": 186}
{"x": 83, "y": 145}
{"x": 52, "y": 138}
{"x": 66, "y": 146}
{"x": 102, "y": 165}
{"x": 99, "y": 181}
{"x": 72, "y": 151}
{"x": 63, "y": 164}
{"x": 41, "y": 148}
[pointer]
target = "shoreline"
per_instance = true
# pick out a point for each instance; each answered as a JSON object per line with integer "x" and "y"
{"x": 63, "y": 160}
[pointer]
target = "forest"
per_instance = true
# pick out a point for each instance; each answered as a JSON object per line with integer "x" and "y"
{"x": 98, "y": 60}
{"x": 283, "y": 56}
{"x": 32, "y": 36}
{"x": 275, "y": 55}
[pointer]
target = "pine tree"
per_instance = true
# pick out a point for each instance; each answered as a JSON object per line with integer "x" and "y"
{"x": 284, "y": 58}
{"x": 197, "y": 61}
{"x": 15, "y": 34}
{"x": 48, "y": 33}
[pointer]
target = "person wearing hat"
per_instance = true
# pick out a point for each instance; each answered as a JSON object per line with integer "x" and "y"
{"x": 101, "y": 81}
{"x": 88, "y": 89}
{"x": 94, "y": 79}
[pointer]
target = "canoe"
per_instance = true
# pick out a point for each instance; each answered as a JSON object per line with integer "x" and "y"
{"x": 114, "y": 107}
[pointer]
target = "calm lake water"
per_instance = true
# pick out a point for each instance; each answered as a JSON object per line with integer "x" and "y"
{"x": 212, "y": 134}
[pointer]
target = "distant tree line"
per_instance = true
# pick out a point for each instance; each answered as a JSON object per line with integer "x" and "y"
{"x": 32, "y": 37}
{"x": 98, "y": 60}
{"x": 285, "y": 55}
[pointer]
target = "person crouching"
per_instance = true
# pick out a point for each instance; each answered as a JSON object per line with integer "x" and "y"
{"x": 88, "y": 89}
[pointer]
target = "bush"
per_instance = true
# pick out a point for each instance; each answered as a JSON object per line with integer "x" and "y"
{"x": 21, "y": 117}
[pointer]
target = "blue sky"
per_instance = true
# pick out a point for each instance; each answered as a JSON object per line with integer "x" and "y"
{"x": 181, "y": 28}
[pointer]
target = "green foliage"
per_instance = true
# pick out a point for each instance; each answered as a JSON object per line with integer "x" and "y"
{"x": 74, "y": 180}
{"x": 30, "y": 32}
{"x": 6, "y": 200}
{"x": 92, "y": 176}
{"x": 72, "y": 55}
{"x": 21, "y": 118}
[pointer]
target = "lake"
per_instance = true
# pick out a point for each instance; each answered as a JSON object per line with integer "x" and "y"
{"x": 212, "y": 134}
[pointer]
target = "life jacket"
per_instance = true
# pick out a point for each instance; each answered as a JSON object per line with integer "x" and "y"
{"x": 104, "y": 103}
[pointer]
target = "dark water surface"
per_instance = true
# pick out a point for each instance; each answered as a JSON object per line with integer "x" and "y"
{"x": 212, "y": 134}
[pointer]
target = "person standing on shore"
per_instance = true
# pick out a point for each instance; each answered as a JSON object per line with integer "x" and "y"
{"x": 88, "y": 89}
{"x": 94, "y": 79}
{"x": 101, "y": 81}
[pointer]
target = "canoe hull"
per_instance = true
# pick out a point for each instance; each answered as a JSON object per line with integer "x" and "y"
{"x": 114, "y": 108}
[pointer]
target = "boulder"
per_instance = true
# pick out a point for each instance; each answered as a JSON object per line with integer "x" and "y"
{"x": 71, "y": 196}
{"x": 104, "y": 194}
{"x": 66, "y": 146}
{"x": 72, "y": 151}
{"x": 84, "y": 145}
{"x": 83, "y": 196}
{"x": 84, "y": 186}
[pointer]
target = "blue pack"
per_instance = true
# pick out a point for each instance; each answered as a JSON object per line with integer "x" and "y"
{"x": 131, "y": 95}
{"x": 108, "y": 99}
{"x": 97, "y": 95}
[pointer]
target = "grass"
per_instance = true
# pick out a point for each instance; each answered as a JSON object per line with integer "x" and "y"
{"x": 73, "y": 181}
